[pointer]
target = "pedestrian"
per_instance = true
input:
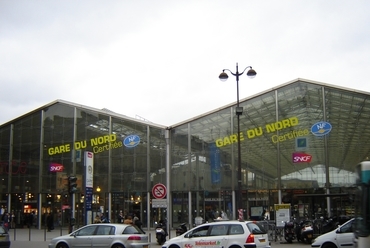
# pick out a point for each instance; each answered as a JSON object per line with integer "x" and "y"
{"x": 6, "y": 220}
{"x": 104, "y": 219}
{"x": 97, "y": 219}
{"x": 120, "y": 217}
{"x": 30, "y": 219}
{"x": 50, "y": 222}
{"x": 12, "y": 220}
{"x": 128, "y": 220}
{"x": 138, "y": 223}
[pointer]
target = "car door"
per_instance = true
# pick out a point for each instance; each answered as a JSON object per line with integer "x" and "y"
{"x": 103, "y": 236}
{"x": 345, "y": 235}
{"x": 195, "y": 237}
{"x": 218, "y": 235}
{"x": 83, "y": 237}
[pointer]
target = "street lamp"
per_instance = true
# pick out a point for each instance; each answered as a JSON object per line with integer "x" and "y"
{"x": 238, "y": 111}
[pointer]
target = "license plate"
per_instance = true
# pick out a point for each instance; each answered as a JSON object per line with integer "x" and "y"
{"x": 262, "y": 240}
{"x": 309, "y": 235}
{"x": 145, "y": 246}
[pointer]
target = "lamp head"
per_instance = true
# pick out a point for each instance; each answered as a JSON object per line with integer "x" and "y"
{"x": 251, "y": 73}
{"x": 223, "y": 76}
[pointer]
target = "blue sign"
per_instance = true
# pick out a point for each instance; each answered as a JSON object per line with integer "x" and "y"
{"x": 301, "y": 143}
{"x": 88, "y": 198}
{"x": 321, "y": 128}
{"x": 131, "y": 141}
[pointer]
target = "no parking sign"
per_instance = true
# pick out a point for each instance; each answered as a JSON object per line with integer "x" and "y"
{"x": 159, "y": 191}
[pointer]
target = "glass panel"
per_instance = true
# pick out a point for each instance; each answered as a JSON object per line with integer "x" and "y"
{"x": 58, "y": 144}
{"x": 4, "y": 163}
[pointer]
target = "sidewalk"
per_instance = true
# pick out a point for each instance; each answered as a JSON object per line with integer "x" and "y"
{"x": 35, "y": 238}
{"x": 33, "y": 234}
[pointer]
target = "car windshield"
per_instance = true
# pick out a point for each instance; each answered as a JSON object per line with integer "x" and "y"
{"x": 346, "y": 228}
{"x": 132, "y": 230}
{"x": 256, "y": 228}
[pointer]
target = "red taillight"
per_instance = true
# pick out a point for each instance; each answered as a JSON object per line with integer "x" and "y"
{"x": 250, "y": 239}
{"x": 134, "y": 238}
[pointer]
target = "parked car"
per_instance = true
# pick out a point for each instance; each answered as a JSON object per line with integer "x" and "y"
{"x": 342, "y": 236}
{"x": 4, "y": 237}
{"x": 222, "y": 234}
{"x": 108, "y": 235}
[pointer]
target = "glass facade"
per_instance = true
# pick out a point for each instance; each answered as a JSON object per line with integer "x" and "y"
{"x": 299, "y": 145}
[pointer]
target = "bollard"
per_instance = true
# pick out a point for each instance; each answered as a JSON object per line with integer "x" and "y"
{"x": 15, "y": 233}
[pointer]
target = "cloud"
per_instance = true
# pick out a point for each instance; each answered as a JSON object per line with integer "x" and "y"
{"x": 161, "y": 60}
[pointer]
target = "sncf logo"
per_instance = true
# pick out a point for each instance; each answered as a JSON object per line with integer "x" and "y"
{"x": 300, "y": 157}
{"x": 54, "y": 167}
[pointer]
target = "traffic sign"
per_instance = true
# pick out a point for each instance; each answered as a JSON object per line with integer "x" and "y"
{"x": 159, "y": 191}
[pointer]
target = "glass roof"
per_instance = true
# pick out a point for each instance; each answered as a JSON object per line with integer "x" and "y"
{"x": 348, "y": 111}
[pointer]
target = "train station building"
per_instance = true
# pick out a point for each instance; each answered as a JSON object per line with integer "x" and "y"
{"x": 299, "y": 144}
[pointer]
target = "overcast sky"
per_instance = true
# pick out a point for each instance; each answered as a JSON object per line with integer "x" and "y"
{"x": 160, "y": 60}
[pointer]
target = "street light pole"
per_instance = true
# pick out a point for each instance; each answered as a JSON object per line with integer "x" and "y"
{"x": 238, "y": 111}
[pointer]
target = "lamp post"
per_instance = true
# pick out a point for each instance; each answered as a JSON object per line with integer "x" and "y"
{"x": 238, "y": 111}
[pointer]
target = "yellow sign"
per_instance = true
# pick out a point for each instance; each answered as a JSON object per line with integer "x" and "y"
{"x": 281, "y": 206}
{"x": 98, "y": 144}
{"x": 269, "y": 128}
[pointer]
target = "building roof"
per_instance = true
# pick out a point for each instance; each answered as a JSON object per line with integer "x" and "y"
{"x": 101, "y": 111}
{"x": 347, "y": 110}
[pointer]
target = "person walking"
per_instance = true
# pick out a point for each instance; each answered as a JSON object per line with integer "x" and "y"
{"x": 12, "y": 220}
{"x": 6, "y": 220}
{"x": 128, "y": 220}
{"x": 49, "y": 222}
{"x": 138, "y": 223}
{"x": 120, "y": 217}
{"x": 97, "y": 219}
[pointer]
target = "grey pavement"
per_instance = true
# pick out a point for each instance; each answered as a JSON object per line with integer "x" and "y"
{"x": 36, "y": 238}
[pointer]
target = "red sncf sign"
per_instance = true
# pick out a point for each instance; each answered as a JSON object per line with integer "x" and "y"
{"x": 300, "y": 157}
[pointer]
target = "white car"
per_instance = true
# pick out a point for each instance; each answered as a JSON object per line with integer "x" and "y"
{"x": 222, "y": 234}
{"x": 341, "y": 237}
{"x": 103, "y": 235}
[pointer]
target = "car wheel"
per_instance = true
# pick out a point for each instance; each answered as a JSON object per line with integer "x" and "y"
{"x": 235, "y": 246}
{"x": 174, "y": 246}
{"x": 329, "y": 245}
{"x": 62, "y": 245}
{"x": 309, "y": 241}
{"x": 117, "y": 246}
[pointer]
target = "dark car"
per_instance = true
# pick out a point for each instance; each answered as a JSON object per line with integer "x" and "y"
{"x": 4, "y": 237}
